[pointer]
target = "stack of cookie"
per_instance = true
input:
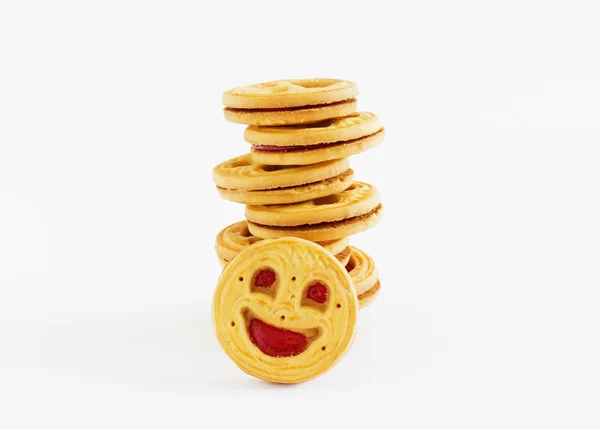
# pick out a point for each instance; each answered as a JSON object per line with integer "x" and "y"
{"x": 296, "y": 181}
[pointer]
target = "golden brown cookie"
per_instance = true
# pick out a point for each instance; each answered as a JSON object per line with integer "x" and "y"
{"x": 291, "y": 195}
{"x": 358, "y": 199}
{"x": 285, "y": 310}
{"x": 290, "y": 93}
{"x": 303, "y": 155}
{"x": 242, "y": 181}
{"x": 243, "y": 174}
{"x": 320, "y": 231}
{"x": 236, "y": 237}
{"x": 292, "y": 101}
{"x": 351, "y": 127}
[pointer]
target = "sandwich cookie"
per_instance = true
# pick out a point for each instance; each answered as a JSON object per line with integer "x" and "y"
{"x": 288, "y": 102}
{"x": 313, "y": 143}
{"x": 285, "y": 310}
{"x": 236, "y": 238}
{"x": 340, "y": 215}
{"x": 243, "y": 181}
{"x": 364, "y": 276}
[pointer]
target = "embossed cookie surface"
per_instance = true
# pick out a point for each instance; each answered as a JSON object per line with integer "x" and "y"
{"x": 310, "y": 154}
{"x": 241, "y": 173}
{"x": 289, "y": 93}
{"x": 351, "y": 127}
{"x": 356, "y": 200}
{"x": 290, "y": 101}
{"x": 320, "y": 231}
{"x": 243, "y": 181}
{"x": 285, "y": 310}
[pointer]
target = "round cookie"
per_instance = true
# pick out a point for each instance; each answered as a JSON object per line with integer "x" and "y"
{"x": 291, "y": 195}
{"x": 241, "y": 173}
{"x": 285, "y": 310}
{"x": 291, "y": 101}
{"x": 304, "y": 155}
{"x": 236, "y": 237}
{"x": 358, "y": 199}
{"x": 290, "y": 93}
{"x": 351, "y": 127}
{"x": 240, "y": 180}
{"x": 362, "y": 270}
{"x": 233, "y": 239}
{"x": 290, "y": 115}
{"x": 320, "y": 231}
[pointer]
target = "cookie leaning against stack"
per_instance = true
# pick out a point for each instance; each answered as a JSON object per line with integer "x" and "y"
{"x": 298, "y": 187}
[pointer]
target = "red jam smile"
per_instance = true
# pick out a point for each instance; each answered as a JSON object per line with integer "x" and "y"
{"x": 276, "y": 342}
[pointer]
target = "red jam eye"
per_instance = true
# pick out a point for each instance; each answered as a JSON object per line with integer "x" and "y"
{"x": 317, "y": 292}
{"x": 264, "y": 278}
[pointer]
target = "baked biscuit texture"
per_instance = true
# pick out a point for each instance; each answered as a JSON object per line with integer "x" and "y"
{"x": 356, "y": 200}
{"x": 243, "y": 174}
{"x": 291, "y": 115}
{"x": 285, "y": 310}
{"x": 351, "y": 127}
{"x": 287, "y": 93}
{"x": 321, "y": 231}
{"x": 291, "y": 194}
{"x": 304, "y": 155}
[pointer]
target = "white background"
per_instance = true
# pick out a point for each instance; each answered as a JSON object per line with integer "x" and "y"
{"x": 489, "y": 251}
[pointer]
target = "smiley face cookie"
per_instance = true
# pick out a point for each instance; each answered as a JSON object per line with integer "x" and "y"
{"x": 318, "y": 142}
{"x": 285, "y": 310}
{"x": 291, "y": 101}
{"x": 351, "y": 211}
{"x": 244, "y": 181}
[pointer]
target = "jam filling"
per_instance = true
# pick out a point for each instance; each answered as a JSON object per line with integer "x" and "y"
{"x": 269, "y": 148}
{"x": 276, "y": 342}
{"x": 272, "y": 148}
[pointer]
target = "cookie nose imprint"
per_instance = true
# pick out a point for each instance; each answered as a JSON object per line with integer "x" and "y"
{"x": 283, "y": 310}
